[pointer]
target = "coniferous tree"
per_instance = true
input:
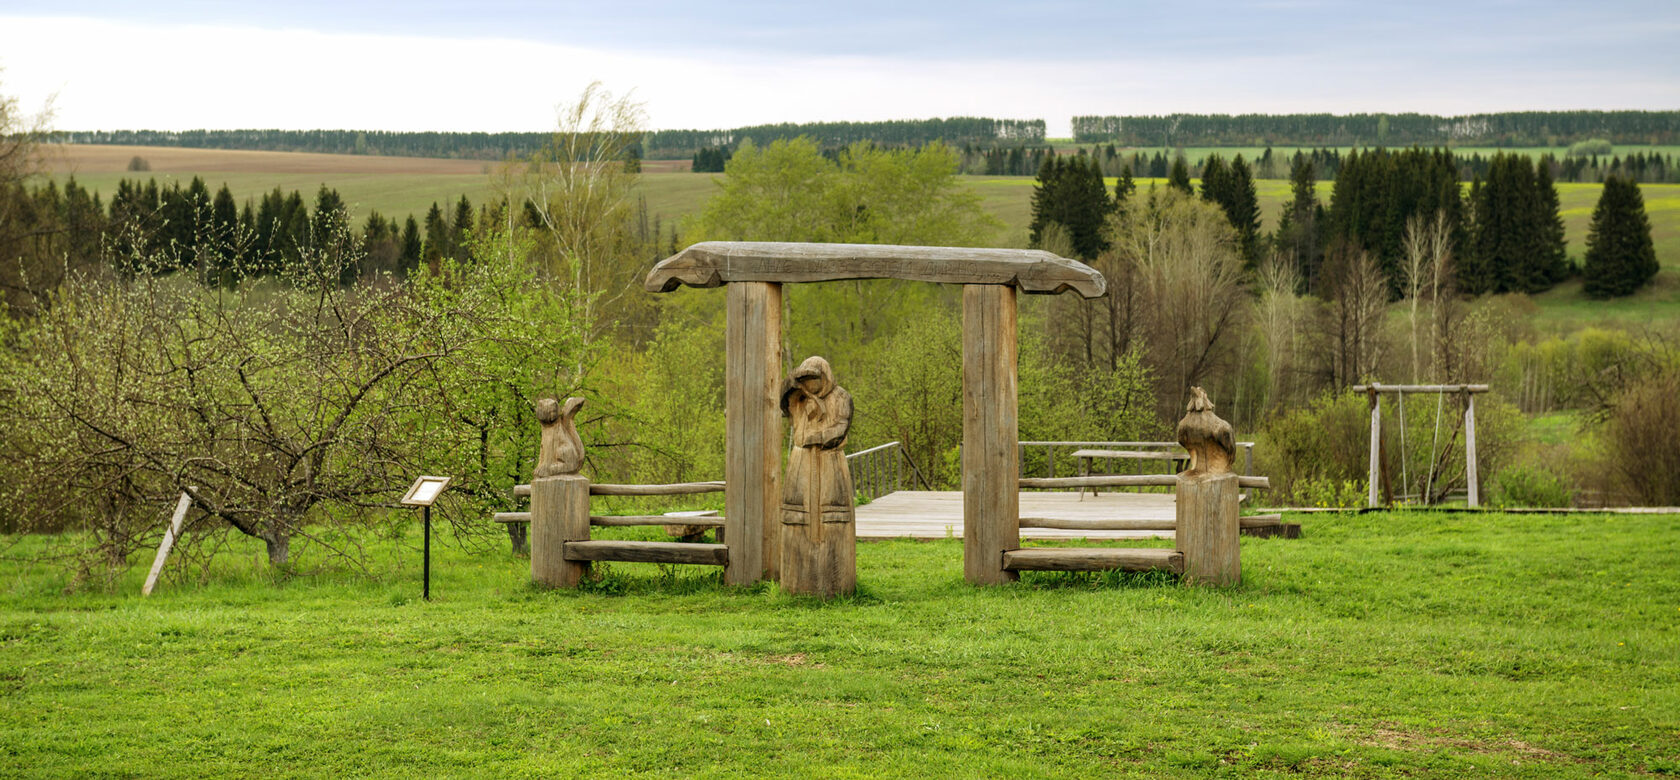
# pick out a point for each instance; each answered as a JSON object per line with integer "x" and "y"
{"x": 408, "y": 259}
{"x": 1180, "y": 176}
{"x": 460, "y": 228}
{"x": 1214, "y": 180}
{"x": 1298, "y": 228}
{"x": 1124, "y": 188}
{"x": 1620, "y": 255}
{"x": 1242, "y": 205}
{"x": 437, "y": 235}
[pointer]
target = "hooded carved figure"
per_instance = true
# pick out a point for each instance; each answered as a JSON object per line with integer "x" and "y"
{"x": 1209, "y": 440}
{"x": 820, "y": 414}
{"x": 562, "y": 449}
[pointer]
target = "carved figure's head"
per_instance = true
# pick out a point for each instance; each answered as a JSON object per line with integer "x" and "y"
{"x": 1199, "y": 401}
{"x": 548, "y": 410}
{"x": 815, "y": 376}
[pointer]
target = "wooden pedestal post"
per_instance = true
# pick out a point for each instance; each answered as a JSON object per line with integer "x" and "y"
{"x": 752, "y": 450}
{"x": 559, "y": 514}
{"x": 990, "y": 471}
{"x": 1209, "y": 529}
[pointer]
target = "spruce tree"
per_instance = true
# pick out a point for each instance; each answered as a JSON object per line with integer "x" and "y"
{"x": 1242, "y": 206}
{"x": 1620, "y": 256}
{"x": 460, "y": 230}
{"x": 1180, "y": 176}
{"x": 1124, "y": 188}
{"x": 1298, "y": 228}
{"x": 1214, "y": 184}
{"x": 408, "y": 257}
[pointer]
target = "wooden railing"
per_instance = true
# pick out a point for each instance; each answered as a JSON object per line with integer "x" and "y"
{"x": 880, "y": 470}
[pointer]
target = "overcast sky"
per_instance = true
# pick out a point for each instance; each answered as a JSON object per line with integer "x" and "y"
{"x": 501, "y": 65}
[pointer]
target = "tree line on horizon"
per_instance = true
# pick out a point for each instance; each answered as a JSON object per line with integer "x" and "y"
{"x": 1529, "y": 128}
{"x": 1509, "y": 128}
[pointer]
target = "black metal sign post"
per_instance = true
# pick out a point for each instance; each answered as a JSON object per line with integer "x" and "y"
{"x": 423, "y": 493}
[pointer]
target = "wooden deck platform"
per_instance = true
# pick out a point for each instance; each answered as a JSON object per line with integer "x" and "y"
{"x": 938, "y": 515}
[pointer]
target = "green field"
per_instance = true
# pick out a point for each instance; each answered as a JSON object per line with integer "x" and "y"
{"x": 1380, "y": 645}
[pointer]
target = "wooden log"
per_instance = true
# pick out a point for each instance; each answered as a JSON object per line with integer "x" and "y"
{"x": 1421, "y": 388}
{"x": 713, "y": 263}
{"x": 1209, "y": 528}
{"x": 512, "y": 517}
{"x": 1093, "y": 559}
{"x": 1373, "y": 477}
{"x": 1261, "y": 521}
{"x": 522, "y": 491}
{"x": 647, "y": 552}
{"x": 626, "y": 521}
{"x": 673, "y": 489}
{"x": 1282, "y": 530}
{"x": 753, "y": 430}
{"x": 559, "y": 516}
{"x": 1128, "y": 480}
{"x": 991, "y": 500}
{"x": 1107, "y": 524}
{"x": 168, "y": 543}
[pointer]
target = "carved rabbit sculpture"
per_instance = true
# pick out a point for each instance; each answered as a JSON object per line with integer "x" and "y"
{"x": 562, "y": 449}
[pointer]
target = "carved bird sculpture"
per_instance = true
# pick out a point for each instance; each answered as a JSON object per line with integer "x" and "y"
{"x": 562, "y": 450}
{"x": 1209, "y": 440}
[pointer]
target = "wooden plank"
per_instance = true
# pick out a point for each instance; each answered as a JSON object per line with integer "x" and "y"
{"x": 673, "y": 489}
{"x": 512, "y": 517}
{"x": 625, "y": 521}
{"x": 1209, "y": 528}
{"x": 559, "y": 516}
{"x": 991, "y": 500}
{"x": 1114, "y": 524}
{"x": 169, "y": 536}
{"x": 1127, "y": 480}
{"x": 648, "y": 552}
{"x": 1281, "y": 530}
{"x": 1470, "y": 481}
{"x": 1131, "y": 454}
{"x": 753, "y": 431}
{"x": 939, "y": 515}
{"x": 714, "y": 263}
{"x": 1093, "y": 559}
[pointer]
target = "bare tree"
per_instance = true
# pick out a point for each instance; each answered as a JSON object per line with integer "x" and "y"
{"x": 30, "y": 264}
{"x": 1426, "y": 252}
{"x": 1189, "y": 285}
{"x": 580, "y": 188}
{"x": 1278, "y": 313}
{"x": 1352, "y": 319}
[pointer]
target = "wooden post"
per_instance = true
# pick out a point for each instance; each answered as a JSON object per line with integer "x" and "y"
{"x": 991, "y": 495}
{"x": 169, "y": 537}
{"x": 752, "y": 450}
{"x": 1470, "y": 481}
{"x": 1376, "y": 452}
{"x": 559, "y": 514}
{"x": 1209, "y": 530}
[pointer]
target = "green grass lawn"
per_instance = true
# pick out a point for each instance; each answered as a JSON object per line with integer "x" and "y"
{"x": 1402, "y": 644}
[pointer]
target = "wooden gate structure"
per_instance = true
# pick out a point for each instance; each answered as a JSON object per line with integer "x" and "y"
{"x": 753, "y": 274}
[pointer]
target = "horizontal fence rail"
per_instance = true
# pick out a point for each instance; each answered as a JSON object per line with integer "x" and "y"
{"x": 880, "y": 470}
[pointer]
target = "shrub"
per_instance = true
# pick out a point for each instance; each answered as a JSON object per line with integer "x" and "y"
{"x": 1305, "y": 450}
{"x": 1530, "y": 486}
{"x": 1642, "y": 431}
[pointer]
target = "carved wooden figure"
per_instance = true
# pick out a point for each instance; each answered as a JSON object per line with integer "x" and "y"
{"x": 819, "y": 535}
{"x": 562, "y": 450}
{"x": 1208, "y": 526}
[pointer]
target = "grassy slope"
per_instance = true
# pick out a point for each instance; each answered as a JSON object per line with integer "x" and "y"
{"x": 1381, "y": 645}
